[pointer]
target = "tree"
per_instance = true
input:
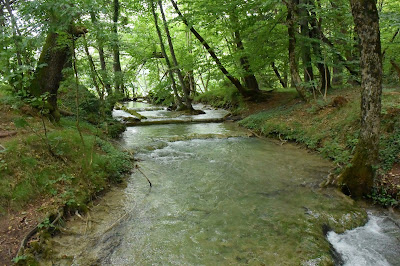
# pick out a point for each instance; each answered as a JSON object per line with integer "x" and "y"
{"x": 185, "y": 89}
{"x": 212, "y": 53}
{"x": 100, "y": 45}
{"x": 178, "y": 99}
{"x": 358, "y": 178}
{"x": 118, "y": 75}
{"x": 291, "y": 24}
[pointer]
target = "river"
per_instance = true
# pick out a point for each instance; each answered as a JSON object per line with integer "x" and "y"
{"x": 218, "y": 197}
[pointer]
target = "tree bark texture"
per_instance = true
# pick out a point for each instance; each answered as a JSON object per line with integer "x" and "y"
{"x": 48, "y": 75}
{"x": 358, "y": 178}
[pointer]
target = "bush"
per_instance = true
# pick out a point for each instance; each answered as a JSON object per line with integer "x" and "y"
{"x": 222, "y": 97}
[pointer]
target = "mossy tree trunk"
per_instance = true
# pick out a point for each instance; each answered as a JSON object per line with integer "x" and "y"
{"x": 55, "y": 54}
{"x": 358, "y": 179}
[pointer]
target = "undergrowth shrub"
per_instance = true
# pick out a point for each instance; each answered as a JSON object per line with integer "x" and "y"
{"x": 221, "y": 97}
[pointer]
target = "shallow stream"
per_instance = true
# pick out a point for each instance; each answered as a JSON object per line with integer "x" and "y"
{"x": 218, "y": 197}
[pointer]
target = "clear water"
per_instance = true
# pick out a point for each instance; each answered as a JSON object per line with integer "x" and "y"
{"x": 218, "y": 198}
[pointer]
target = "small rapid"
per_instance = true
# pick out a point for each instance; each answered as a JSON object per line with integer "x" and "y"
{"x": 376, "y": 243}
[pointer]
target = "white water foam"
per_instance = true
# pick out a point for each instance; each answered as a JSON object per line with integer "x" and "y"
{"x": 374, "y": 244}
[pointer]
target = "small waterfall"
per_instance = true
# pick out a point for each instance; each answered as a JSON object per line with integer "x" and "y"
{"x": 376, "y": 243}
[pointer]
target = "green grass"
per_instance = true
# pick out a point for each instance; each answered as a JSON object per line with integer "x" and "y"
{"x": 29, "y": 170}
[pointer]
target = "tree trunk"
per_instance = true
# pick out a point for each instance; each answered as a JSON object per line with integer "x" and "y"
{"x": 316, "y": 33}
{"x": 211, "y": 51}
{"x": 93, "y": 72}
{"x": 118, "y": 75}
{"x": 278, "y": 75}
{"x": 186, "y": 91}
{"x": 16, "y": 34}
{"x": 178, "y": 99}
{"x": 358, "y": 179}
{"x": 55, "y": 54}
{"x": 291, "y": 5}
{"x": 100, "y": 45}
{"x": 249, "y": 77}
{"x": 305, "y": 46}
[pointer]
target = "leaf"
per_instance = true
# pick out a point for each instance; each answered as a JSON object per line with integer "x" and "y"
{"x": 20, "y": 123}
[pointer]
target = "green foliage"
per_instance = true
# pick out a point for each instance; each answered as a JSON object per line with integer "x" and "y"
{"x": 222, "y": 97}
{"x": 162, "y": 94}
{"x": 390, "y": 147}
{"x": 45, "y": 224}
{"x": 381, "y": 197}
{"x": 19, "y": 259}
{"x": 80, "y": 170}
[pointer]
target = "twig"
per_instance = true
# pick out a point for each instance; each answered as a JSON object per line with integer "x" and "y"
{"x": 148, "y": 180}
{"x": 255, "y": 134}
{"x": 117, "y": 222}
{"x": 79, "y": 216}
{"x": 283, "y": 141}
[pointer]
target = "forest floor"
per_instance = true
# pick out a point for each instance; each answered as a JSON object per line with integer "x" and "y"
{"x": 46, "y": 170}
{"x": 331, "y": 128}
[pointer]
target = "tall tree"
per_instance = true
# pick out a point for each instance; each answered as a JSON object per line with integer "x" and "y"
{"x": 358, "y": 178}
{"x": 118, "y": 75}
{"x": 55, "y": 54}
{"x": 291, "y": 24}
{"x": 186, "y": 90}
{"x": 316, "y": 35}
{"x": 178, "y": 99}
{"x": 100, "y": 46}
{"x": 210, "y": 50}
{"x": 250, "y": 79}
{"x": 304, "y": 19}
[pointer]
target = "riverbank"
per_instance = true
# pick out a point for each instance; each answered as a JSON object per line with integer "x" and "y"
{"x": 48, "y": 172}
{"x": 331, "y": 128}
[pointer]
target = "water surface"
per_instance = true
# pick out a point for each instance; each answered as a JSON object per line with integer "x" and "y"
{"x": 218, "y": 198}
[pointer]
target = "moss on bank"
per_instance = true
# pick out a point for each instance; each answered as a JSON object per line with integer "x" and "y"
{"x": 333, "y": 130}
